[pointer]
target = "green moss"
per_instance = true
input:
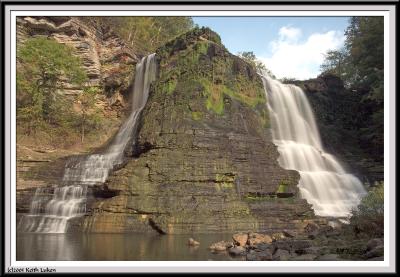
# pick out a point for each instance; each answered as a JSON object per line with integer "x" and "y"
{"x": 197, "y": 116}
{"x": 264, "y": 118}
{"x": 225, "y": 181}
{"x": 193, "y": 63}
{"x": 282, "y": 187}
{"x": 170, "y": 86}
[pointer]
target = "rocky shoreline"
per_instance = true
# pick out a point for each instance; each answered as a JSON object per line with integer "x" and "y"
{"x": 317, "y": 243}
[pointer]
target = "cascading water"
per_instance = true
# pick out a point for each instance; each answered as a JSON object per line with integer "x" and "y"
{"x": 68, "y": 201}
{"x": 323, "y": 181}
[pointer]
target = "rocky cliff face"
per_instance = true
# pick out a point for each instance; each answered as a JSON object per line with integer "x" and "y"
{"x": 338, "y": 112}
{"x": 108, "y": 62}
{"x": 204, "y": 161}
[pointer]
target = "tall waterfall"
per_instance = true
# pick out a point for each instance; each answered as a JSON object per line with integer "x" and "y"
{"x": 323, "y": 181}
{"x": 69, "y": 200}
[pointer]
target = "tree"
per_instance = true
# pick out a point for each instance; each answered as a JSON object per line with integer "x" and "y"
{"x": 335, "y": 63}
{"x": 145, "y": 33}
{"x": 88, "y": 112}
{"x": 251, "y": 58}
{"x": 360, "y": 64}
{"x": 44, "y": 63}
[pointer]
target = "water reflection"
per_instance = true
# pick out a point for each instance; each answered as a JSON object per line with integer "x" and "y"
{"x": 116, "y": 247}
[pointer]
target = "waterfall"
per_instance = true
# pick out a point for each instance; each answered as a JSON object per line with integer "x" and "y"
{"x": 69, "y": 200}
{"x": 323, "y": 182}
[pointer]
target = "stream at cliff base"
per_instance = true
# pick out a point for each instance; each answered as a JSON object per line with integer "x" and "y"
{"x": 118, "y": 247}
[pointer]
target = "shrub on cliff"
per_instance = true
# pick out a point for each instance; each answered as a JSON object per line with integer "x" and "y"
{"x": 368, "y": 217}
{"x": 44, "y": 63}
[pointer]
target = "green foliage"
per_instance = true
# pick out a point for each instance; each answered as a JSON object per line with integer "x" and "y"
{"x": 360, "y": 62}
{"x": 89, "y": 115}
{"x": 368, "y": 217}
{"x": 44, "y": 62}
{"x": 251, "y": 58}
{"x": 285, "y": 80}
{"x": 144, "y": 33}
{"x": 360, "y": 65}
{"x": 197, "y": 116}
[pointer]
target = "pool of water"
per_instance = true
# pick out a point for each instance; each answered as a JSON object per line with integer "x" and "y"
{"x": 117, "y": 247}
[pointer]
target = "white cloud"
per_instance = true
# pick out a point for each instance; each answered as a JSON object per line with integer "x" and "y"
{"x": 292, "y": 58}
{"x": 289, "y": 33}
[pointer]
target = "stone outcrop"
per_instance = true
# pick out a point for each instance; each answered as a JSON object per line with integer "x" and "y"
{"x": 204, "y": 161}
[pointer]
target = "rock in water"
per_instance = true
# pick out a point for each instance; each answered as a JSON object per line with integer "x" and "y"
{"x": 255, "y": 238}
{"x": 192, "y": 242}
{"x": 240, "y": 239}
{"x": 220, "y": 246}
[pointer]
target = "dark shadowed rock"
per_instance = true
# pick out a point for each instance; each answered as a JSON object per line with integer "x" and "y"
{"x": 373, "y": 243}
{"x": 281, "y": 255}
{"x": 329, "y": 257}
{"x": 237, "y": 251}
{"x": 375, "y": 252}
{"x": 288, "y": 233}
{"x": 305, "y": 257}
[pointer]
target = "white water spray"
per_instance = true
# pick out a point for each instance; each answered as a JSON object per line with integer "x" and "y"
{"x": 323, "y": 181}
{"x": 69, "y": 201}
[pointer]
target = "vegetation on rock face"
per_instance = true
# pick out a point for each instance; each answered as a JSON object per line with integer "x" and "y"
{"x": 144, "y": 33}
{"x": 368, "y": 217}
{"x": 90, "y": 117}
{"x": 360, "y": 64}
{"x": 200, "y": 57}
{"x": 42, "y": 109}
{"x": 251, "y": 58}
{"x": 44, "y": 63}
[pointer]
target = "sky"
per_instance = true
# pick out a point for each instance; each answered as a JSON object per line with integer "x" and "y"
{"x": 291, "y": 47}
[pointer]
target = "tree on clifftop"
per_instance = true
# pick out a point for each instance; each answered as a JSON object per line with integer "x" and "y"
{"x": 360, "y": 65}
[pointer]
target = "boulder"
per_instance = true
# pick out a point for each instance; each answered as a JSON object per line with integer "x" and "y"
{"x": 282, "y": 245}
{"x": 256, "y": 238}
{"x": 281, "y": 255}
{"x": 376, "y": 252}
{"x": 297, "y": 246}
{"x": 277, "y": 236}
{"x": 263, "y": 246}
{"x": 305, "y": 257}
{"x": 240, "y": 239}
{"x": 259, "y": 256}
{"x": 289, "y": 233}
{"x": 237, "y": 251}
{"x": 314, "y": 250}
{"x": 311, "y": 228}
{"x": 300, "y": 245}
{"x": 329, "y": 257}
{"x": 220, "y": 246}
{"x": 373, "y": 243}
{"x": 192, "y": 242}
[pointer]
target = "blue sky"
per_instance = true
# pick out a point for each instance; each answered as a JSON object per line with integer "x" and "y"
{"x": 291, "y": 47}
